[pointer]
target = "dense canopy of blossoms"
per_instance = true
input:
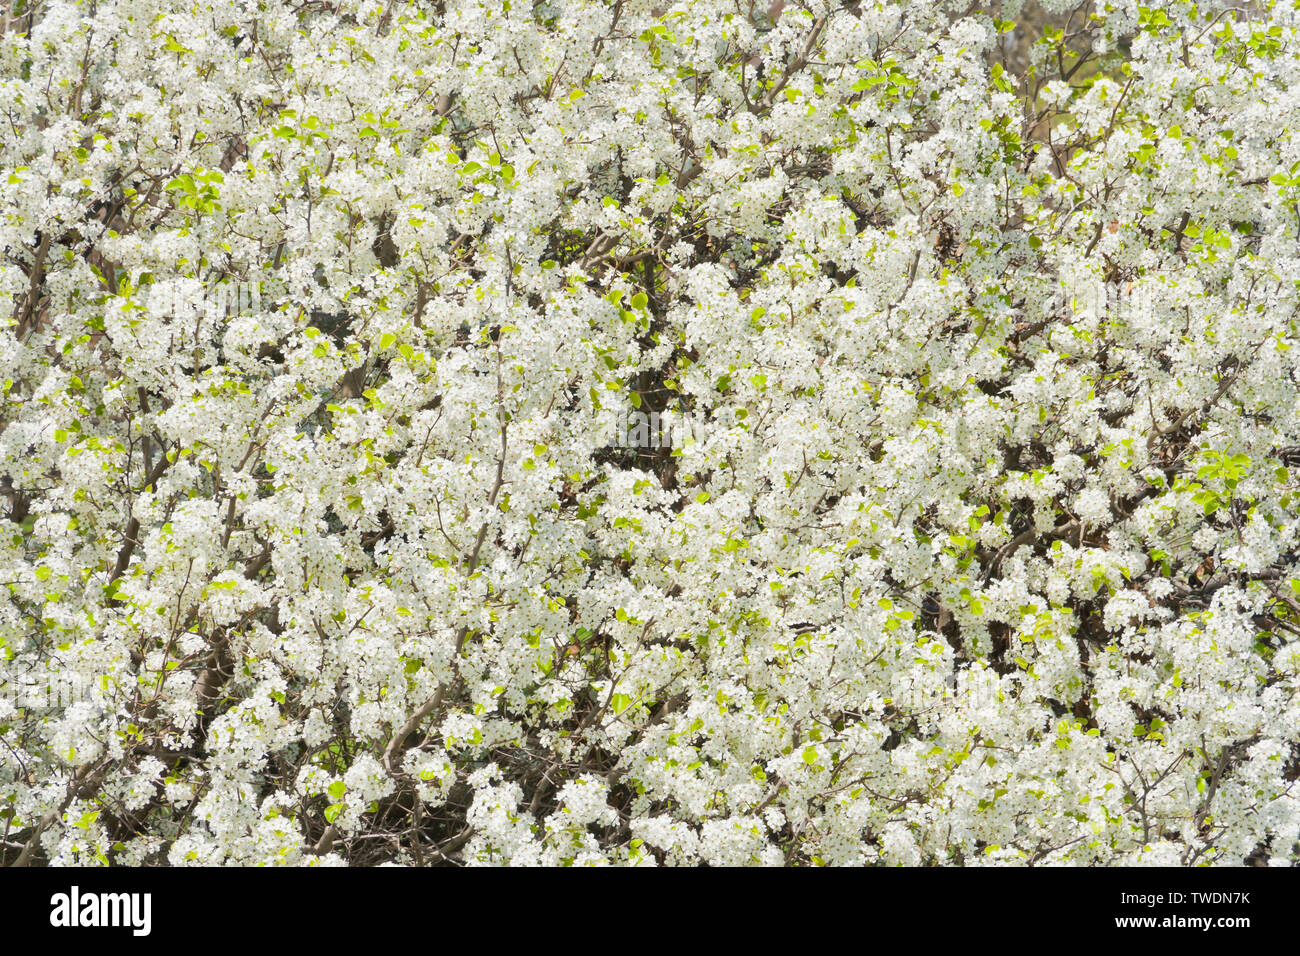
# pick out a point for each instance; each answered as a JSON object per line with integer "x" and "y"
{"x": 585, "y": 431}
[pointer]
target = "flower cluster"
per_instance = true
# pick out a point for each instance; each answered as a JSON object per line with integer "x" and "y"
{"x": 958, "y": 563}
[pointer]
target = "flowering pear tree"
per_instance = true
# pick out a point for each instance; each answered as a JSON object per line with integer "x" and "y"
{"x": 332, "y": 532}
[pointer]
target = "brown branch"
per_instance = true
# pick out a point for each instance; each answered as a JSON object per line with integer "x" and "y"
{"x": 797, "y": 64}
{"x": 132, "y": 534}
